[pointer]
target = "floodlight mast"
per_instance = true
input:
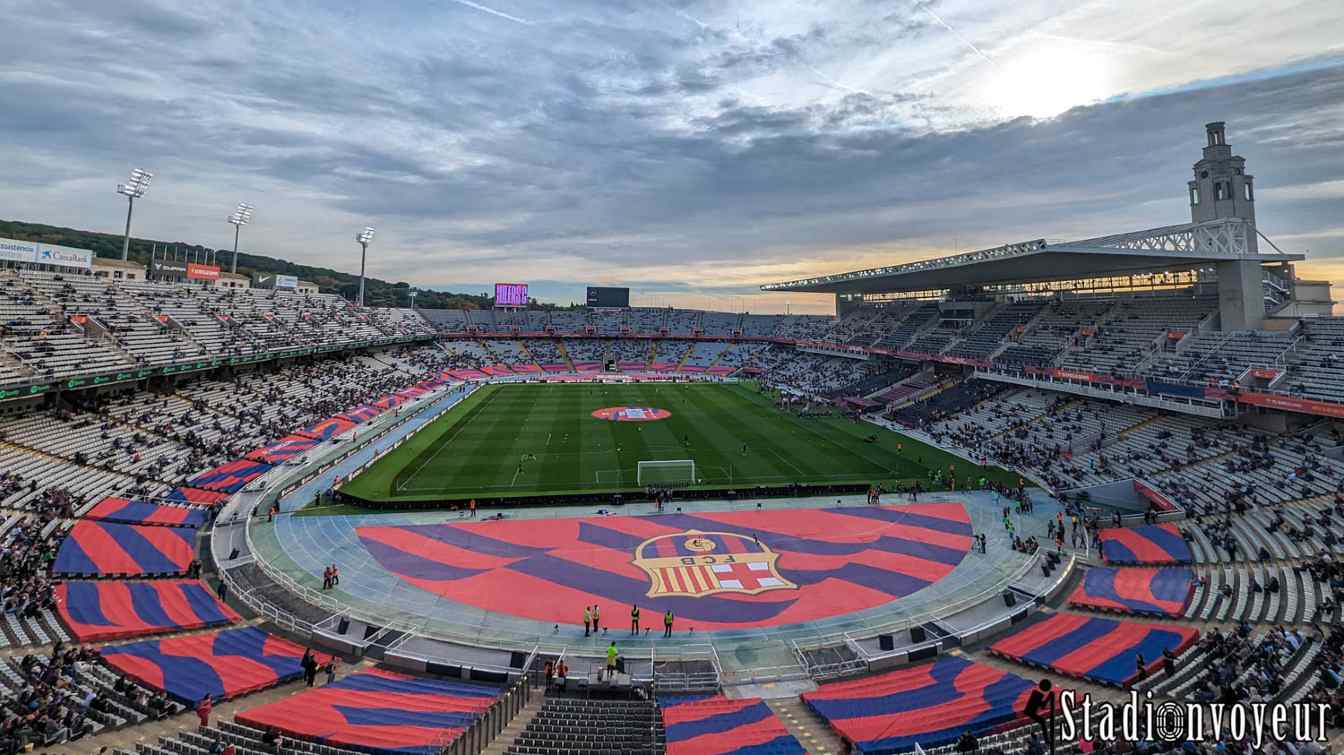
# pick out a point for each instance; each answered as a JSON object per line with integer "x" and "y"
{"x": 240, "y": 217}
{"x": 135, "y": 187}
{"x": 363, "y": 237}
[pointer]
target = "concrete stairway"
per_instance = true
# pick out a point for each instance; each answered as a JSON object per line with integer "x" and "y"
{"x": 517, "y": 726}
{"x": 813, "y": 733}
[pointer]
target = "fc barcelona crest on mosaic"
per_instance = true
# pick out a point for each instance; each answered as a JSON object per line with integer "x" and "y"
{"x": 696, "y": 564}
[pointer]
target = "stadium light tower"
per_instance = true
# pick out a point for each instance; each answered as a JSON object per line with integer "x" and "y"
{"x": 363, "y": 237}
{"x": 412, "y": 295}
{"x": 135, "y": 187}
{"x": 240, "y": 217}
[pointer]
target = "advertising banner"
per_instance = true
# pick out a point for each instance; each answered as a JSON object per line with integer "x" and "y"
{"x": 64, "y": 256}
{"x": 286, "y": 281}
{"x": 169, "y": 267}
{"x": 12, "y": 250}
{"x": 1290, "y": 404}
{"x": 199, "y": 272}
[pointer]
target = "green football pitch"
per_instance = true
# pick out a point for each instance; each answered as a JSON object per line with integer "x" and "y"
{"x": 507, "y": 441}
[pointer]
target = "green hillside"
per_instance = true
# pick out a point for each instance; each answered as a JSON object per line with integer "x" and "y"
{"x": 377, "y": 292}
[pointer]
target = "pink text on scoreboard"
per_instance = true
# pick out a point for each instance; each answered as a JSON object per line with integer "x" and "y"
{"x": 510, "y": 294}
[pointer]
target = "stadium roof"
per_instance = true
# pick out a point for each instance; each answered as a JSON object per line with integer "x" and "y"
{"x": 1176, "y": 247}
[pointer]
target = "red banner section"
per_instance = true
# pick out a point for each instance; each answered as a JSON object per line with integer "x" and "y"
{"x": 198, "y": 272}
{"x": 1290, "y": 404}
{"x": 1090, "y": 377}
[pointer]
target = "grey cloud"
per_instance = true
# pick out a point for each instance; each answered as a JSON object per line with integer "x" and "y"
{"x": 623, "y": 122}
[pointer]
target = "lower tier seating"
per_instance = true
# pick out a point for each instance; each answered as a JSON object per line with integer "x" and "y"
{"x": 716, "y": 725}
{"x": 378, "y": 711}
{"x": 1151, "y": 592}
{"x": 1104, "y": 651}
{"x": 929, "y": 704}
{"x": 566, "y": 725}
{"x": 223, "y": 664}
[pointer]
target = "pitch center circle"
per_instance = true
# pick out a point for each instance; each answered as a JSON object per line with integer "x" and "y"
{"x": 631, "y": 414}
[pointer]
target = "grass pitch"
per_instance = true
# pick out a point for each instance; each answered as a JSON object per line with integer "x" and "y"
{"x": 531, "y": 440}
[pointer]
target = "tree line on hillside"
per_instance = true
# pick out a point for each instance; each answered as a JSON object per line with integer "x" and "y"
{"x": 378, "y": 293}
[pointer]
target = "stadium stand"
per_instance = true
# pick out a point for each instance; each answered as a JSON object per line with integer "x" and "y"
{"x": 987, "y": 339}
{"x": 716, "y": 725}
{"x": 1145, "y": 592}
{"x": 224, "y": 663}
{"x": 1104, "y": 651}
{"x": 1273, "y": 667}
{"x": 571, "y": 724}
{"x": 107, "y": 610}
{"x": 127, "y": 511}
{"x": 1147, "y": 544}
{"x": 930, "y": 704}
{"x": 105, "y": 549}
{"x": 378, "y": 711}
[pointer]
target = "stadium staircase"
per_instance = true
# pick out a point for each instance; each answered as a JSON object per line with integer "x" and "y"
{"x": 714, "y": 362}
{"x": 563, "y": 725}
{"x": 685, "y": 356}
{"x": 564, "y": 353}
{"x": 11, "y": 363}
{"x": 1132, "y": 428}
{"x": 807, "y": 727}
{"x": 515, "y": 728}
{"x": 527, "y": 353}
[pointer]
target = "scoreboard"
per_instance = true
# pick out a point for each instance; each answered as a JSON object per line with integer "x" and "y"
{"x": 608, "y": 297}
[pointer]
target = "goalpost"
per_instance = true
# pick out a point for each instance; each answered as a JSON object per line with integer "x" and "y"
{"x": 678, "y": 473}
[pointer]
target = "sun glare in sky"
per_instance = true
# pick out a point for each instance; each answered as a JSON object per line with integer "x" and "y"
{"x": 1045, "y": 79}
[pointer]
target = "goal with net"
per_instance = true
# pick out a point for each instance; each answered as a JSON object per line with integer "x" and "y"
{"x": 679, "y": 473}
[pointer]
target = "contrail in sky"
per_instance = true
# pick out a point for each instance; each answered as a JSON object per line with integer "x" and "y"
{"x": 493, "y": 12}
{"x": 948, "y": 26}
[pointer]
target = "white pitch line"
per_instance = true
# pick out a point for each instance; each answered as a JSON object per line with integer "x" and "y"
{"x": 461, "y": 424}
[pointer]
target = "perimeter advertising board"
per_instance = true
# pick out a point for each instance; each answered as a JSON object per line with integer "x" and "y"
{"x": 199, "y": 272}
{"x": 35, "y": 252}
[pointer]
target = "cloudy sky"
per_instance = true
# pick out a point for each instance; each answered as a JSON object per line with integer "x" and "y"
{"x": 691, "y": 150}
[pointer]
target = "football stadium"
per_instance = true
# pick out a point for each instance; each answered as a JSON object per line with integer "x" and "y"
{"x": 1077, "y": 488}
{"x": 1115, "y": 464}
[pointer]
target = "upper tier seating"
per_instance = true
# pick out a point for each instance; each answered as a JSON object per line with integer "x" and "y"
{"x": 1219, "y": 357}
{"x": 1316, "y": 363}
{"x": 988, "y": 337}
{"x": 1129, "y": 335}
